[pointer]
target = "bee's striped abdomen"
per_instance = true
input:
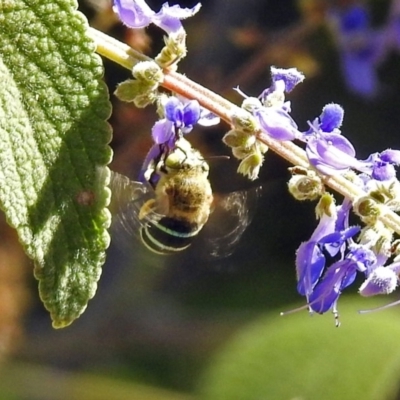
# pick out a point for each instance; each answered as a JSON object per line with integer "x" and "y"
{"x": 168, "y": 235}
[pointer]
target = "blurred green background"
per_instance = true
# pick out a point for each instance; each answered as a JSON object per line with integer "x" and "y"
{"x": 189, "y": 327}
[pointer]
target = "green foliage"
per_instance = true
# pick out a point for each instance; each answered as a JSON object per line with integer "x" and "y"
{"x": 299, "y": 357}
{"x": 53, "y": 140}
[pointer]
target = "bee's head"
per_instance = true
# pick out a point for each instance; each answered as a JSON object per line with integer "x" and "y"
{"x": 184, "y": 157}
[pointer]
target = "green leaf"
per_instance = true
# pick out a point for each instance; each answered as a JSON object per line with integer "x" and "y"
{"x": 53, "y": 141}
{"x": 299, "y": 357}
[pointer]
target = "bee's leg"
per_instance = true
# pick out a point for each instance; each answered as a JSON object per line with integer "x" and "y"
{"x": 159, "y": 206}
{"x": 163, "y": 202}
{"x": 147, "y": 208}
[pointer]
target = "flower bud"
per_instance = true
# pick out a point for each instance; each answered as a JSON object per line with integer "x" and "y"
{"x": 244, "y": 121}
{"x": 388, "y": 193}
{"x": 149, "y": 72}
{"x": 262, "y": 147}
{"x": 377, "y": 237}
{"x": 174, "y": 50}
{"x": 250, "y": 166}
{"x": 306, "y": 186}
{"x": 367, "y": 209}
{"x": 251, "y": 103}
{"x": 145, "y": 99}
{"x": 325, "y": 206}
{"x": 235, "y": 138}
{"x": 240, "y": 152}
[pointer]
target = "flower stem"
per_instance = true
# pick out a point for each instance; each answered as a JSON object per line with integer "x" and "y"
{"x": 115, "y": 50}
{"x": 127, "y": 57}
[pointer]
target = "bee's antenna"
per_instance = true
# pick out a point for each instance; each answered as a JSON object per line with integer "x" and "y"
{"x": 216, "y": 158}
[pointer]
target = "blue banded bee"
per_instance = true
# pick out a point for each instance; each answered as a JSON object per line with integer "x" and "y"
{"x": 176, "y": 201}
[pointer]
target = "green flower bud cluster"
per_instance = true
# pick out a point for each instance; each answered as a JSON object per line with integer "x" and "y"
{"x": 245, "y": 146}
{"x": 143, "y": 90}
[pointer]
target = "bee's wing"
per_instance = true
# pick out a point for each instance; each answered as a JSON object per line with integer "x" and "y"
{"x": 229, "y": 219}
{"x": 127, "y": 200}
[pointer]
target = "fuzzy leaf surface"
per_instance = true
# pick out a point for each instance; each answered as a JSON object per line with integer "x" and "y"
{"x": 53, "y": 140}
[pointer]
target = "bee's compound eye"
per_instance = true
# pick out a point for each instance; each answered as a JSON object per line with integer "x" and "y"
{"x": 174, "y": 160}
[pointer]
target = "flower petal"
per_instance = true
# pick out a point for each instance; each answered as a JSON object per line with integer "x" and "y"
{"x": 168, "y": 18}
{"x": 290, "y": 76}
{"x": 310, "y": 264}
{"x": 153, "y": 154}
{"x": 163, "y": 131}
{"x": 207, "y": 118}
{"x": 327, "y": 292}
{"x": 331, "y": 153}
{"x": 133, "y": 13}
{"x": 277, "y": 123}
{"x": 331, "y": 117}
{"x": 382, "y": 280}
{"x": 172, "y": 109}
{"x": 391, "y": 156}
{"x": 191, "y": 113}
{"x": 383, "y": 171}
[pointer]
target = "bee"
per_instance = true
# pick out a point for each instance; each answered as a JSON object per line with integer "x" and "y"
{"x": 175, "y": 202}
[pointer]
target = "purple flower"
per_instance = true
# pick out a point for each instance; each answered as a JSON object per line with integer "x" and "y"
{"x": 331, "y": 118}
{"x": 380, "y": 166}
{"x": 290, "y": 76}
{"x": 310, "y": 261}
{"x": 283, "y": 80}
{"x": 277, "y": 123}
{"x": 207, "y": 118}
{"x": 331, "y": 153}
{"x": 329, "y": 237}
{"x": 183, "y": 115}
{"x": 338, "y": 276}
{"x": 163, "y": 131}
{"x": 359, "y": 49}
{"x": 148, "y": 170}
{"x": 333, "y": 242}
{"x": 382, "y": 280}
{"x": 178, "y": 116}
{"x": 329, "y": 121}
{"x": 134, "y": 14}
{"x": 313, "y": 260}
{"x": 327, "y": 150}
{"x": 169, "y": 17}
{"x": 271, "y": 110}
{"x": 327, "y": 292}
{"x": 137, "y": 14}
{"x": 355, "y": 19}
{"x": 310, "y": 264}
{"x": 360, "y": 74}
